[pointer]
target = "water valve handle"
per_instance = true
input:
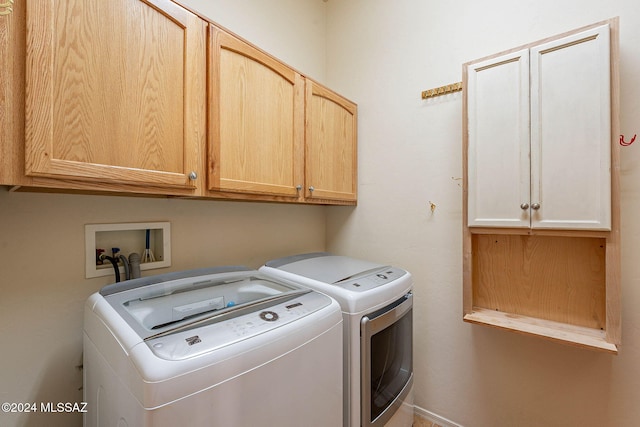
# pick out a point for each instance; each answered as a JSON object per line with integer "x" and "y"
{"x": 99, "y": 252}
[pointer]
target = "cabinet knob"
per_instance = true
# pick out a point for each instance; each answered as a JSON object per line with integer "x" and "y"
{"x": 193, "y": 176}
{"x": 535, "y": 206}
{"x": 524, "y": 206}
{"x": 311, "y": 189}
{"x": 298, "y": 187}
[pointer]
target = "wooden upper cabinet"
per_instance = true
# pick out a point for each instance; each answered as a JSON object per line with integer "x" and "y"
{"x": 256, "y": 120}
{"x": 114, "y": 92}
{"x": 143, "y": 96}
{"x": 331, "y": 145}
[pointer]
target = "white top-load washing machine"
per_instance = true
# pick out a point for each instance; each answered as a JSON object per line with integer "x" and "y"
{"x": 225, "y": 346}
{"x": 377, "y": 307}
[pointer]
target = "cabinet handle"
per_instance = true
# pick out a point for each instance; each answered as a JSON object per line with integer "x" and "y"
{"x": 298, "y": 187}
{"x": 524, "y": 206}
{"x": 535, "y": 206}
{"x": 311, "y": 189}
{"x": 193, "y": 176}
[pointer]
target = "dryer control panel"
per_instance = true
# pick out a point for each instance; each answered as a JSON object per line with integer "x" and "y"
{"x": 371, "y": 280}
{"x": 199, "y": 340}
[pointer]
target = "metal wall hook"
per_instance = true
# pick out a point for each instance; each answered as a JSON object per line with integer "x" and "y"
{"x": 442, "y": 90}
{"x": 6, "y": 8}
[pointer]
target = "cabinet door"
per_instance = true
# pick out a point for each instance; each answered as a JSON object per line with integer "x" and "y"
{"x": 331, "y": 145}
{"x": 571, "y": 132}
{"x": 112, "y": 91}
{"x": 256, "y": 120}
{"x": 498, "y": 141}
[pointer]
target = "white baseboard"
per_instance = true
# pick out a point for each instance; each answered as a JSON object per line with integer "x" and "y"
{"x": 434, "y": 418}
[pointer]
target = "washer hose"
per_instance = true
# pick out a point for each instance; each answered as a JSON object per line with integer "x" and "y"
{"x": 134, "y": 265}
{"x": 125, "y": 264}
{"x": 113, "y": 262}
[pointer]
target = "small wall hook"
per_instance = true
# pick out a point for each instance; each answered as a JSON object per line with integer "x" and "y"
{"x": 625, "y": 143}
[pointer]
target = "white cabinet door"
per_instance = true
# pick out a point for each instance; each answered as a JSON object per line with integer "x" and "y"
{"x": 571, "y": 132}
{"x": 539, "y": 135}
{"x": 498, "y": 148}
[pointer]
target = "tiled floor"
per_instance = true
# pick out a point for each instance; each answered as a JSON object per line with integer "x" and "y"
{"x": 418, "y": 421}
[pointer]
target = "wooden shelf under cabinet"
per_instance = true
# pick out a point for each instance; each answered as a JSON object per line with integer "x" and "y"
{"x": 556, "y": 331}
{"x": 551, "y": 286}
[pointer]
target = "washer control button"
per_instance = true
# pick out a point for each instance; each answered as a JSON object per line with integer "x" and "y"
{"x": 269, "y": 316}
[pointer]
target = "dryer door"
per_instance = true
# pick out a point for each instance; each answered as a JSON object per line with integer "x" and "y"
{"x": 387, "y": 360}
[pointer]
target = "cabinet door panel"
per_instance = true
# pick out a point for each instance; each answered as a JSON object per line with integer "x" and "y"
{"x": 571, "y": 132}
{"x": 331, "y": 147}
{"x": 498, "y": 148}
{"x": 256, "y": 120}
{"x": 112, "y": 91}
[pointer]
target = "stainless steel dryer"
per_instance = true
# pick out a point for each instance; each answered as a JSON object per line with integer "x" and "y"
{"x": 377, "y": 309}
{"x": 225, "y": 346}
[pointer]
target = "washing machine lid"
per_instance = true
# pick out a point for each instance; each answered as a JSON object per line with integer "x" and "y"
{"x": 325, "y": 267}
{"x": 175, "y": 302}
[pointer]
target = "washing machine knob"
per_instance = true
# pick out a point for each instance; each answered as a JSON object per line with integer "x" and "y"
{"x": 269, "y": 316}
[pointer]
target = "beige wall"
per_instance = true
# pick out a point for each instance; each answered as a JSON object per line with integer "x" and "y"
{"x": 42, "y": 273}
{"x": 43, "y": 288}
{"x": 382, "y": 55}
{"x": 291, "y": 30}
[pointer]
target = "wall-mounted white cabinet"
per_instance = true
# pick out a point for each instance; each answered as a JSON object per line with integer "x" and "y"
{"x": 541, "y": 252}
{"x": 498, "y": 123}
{"x": 539, "y": 126}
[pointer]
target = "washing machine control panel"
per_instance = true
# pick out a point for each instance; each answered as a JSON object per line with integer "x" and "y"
{"x": 372, "y": 280}
{"x": 193, "y": 342}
